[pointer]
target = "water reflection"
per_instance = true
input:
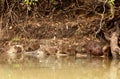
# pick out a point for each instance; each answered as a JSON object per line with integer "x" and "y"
{"x": 114, "y": 68}
{"x": 62, "y": 68}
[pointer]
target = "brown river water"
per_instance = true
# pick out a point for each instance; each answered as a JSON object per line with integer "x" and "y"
{"x": 62, "y": 68}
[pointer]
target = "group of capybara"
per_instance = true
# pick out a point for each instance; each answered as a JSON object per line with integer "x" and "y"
{"x": 92, "y": 48}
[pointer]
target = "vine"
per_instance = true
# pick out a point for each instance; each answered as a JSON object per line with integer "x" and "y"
{"x": 112, "y": 10}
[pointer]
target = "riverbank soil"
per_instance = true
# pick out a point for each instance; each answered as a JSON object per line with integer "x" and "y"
{"x": 58, "y": 26}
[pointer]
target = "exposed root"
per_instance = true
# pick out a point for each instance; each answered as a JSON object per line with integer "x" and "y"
{"x": 102, "y": 17}
{"x": 115, "y": 50}
{"x": 114, "y": 45}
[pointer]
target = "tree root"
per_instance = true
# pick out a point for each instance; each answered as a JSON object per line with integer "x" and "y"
{"x": 114, "y": 45}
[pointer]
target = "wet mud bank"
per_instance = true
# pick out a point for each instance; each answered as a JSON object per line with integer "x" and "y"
{"x": 63, "y": 28}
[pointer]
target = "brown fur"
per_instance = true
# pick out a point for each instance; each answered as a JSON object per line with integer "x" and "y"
{"x": 94, "y": 48}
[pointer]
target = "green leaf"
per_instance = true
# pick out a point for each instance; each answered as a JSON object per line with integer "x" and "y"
{"x": 111, "y": 2}
{"x": 52, "y": 1}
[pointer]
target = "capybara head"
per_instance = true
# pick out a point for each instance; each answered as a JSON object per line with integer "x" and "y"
{"x": 94, "y": 48}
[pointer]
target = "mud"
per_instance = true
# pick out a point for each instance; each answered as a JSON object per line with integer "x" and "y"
{"x": 58, "y": 27}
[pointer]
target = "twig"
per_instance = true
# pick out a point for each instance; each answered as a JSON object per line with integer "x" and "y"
{"x": 77, "y": 3}
{"x": 102, "y": 17}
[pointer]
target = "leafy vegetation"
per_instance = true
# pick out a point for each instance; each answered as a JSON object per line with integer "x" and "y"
{"x": 30, "y": 2}
{"x": 112, "y": 2}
